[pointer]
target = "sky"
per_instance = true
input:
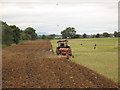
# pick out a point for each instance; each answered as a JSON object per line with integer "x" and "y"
{"x": 53, "y": 16}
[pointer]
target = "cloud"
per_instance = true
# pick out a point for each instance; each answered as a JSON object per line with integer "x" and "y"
{"x": 46, "y": 1}
{"x": 88, "y": 17}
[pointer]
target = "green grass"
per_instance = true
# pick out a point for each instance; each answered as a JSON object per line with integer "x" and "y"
{"x": 22, "y": 41}
{"x": 103, "y": 59}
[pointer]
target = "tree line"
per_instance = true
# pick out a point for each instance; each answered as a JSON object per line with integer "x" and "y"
{"x": 13, "y": 34}
{"x": 71, "y": 33}
{"x": 51, "y": 36}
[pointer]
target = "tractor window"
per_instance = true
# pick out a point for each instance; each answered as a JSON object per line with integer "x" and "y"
{"x": 62, "y": 45}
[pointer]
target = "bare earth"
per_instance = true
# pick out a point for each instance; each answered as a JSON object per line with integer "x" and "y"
{"x": 32, "y": 65}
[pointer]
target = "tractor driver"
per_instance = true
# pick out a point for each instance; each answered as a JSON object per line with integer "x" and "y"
{"x": 62, "y": 45}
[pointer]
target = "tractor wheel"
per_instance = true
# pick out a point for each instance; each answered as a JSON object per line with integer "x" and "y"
{"x": 67, "y": 57}
{"x": 70, "y": 54}
{"x": 57, "y": 52}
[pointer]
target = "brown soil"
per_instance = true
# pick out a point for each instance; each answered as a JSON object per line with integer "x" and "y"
{"x": 32, "y": 65}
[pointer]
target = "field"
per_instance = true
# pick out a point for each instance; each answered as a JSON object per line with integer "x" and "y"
{"x": 103, "y": 59}
{"x": 33, "y": 65}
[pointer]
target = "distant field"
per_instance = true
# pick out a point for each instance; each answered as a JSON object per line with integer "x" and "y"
{"x": 103, "y": 59}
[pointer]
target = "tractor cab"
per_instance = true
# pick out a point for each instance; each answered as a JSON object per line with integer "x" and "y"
{"x": 63, "y": 49}
{"x": 63, "y": 44}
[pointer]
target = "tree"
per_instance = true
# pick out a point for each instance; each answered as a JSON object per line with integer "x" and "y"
{"x": 93, "y": 36}
{"x": 31, "y": 32}
{"x": 12, "y": 34}
{"x": 51, "y": 36}
{"x": 77, "y": 36}
{"x": 105, "y": 34}
{"x": 115, "y": 34}
{"x": 25, "y": 36}
{"x": 98, "y": 35}
{"x": 7, "y": 34}
{"x": 39, "y": 37}
{"x": 84, "y": 35}
{"x": 16, "y": 33}
{"x": 44, "y": 37}
{"x": 68, "y": 32}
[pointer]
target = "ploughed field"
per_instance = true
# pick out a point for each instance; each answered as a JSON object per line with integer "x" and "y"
{"x": 33, "y": 65}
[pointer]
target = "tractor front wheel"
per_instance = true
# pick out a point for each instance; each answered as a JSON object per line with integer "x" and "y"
{"x": 57, "y": 52}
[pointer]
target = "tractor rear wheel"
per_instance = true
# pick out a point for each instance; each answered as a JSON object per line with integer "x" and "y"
{"x": 57, "y": 51}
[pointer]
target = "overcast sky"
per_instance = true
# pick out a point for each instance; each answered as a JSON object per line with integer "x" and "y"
{"x": 53, "y": 16}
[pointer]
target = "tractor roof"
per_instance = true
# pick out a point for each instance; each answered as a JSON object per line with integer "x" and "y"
{"x": 62, "y": 41}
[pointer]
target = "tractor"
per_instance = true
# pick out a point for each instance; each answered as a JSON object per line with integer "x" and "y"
{"x": 63, "y": 50}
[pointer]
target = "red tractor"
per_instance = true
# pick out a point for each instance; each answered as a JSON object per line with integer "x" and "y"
{"x": 63, "y": 50}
